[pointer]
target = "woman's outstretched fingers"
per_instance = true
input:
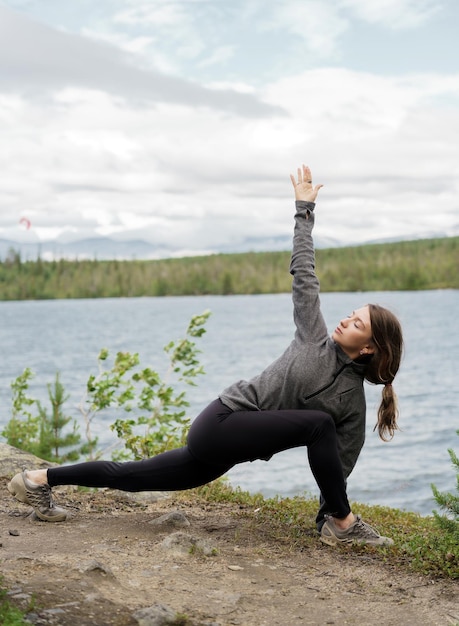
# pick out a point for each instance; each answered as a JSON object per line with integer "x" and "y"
{"x": 303, "y": 185}
{"x": 303, "y": 176}
{"x": 307, "y": 176}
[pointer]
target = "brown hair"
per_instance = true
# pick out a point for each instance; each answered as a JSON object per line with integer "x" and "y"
{"x": 382, "y": 367}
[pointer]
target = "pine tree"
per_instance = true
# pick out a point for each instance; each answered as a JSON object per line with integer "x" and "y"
{"x": 449, "y": 502}
{"x": 52, "y": 438}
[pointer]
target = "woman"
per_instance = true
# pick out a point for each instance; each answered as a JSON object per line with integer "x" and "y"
{"x": 311, "y": 396}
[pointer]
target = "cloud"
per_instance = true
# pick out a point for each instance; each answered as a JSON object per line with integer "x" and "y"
{"x": 394, "y": 14}
{"x": 35, "y": 58}
{"x": 190, "y": 179}
{"x": 196, "y": 168}
{"x": 318, "y": 24}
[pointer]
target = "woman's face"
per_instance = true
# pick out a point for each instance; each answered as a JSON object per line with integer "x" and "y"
{"x": 353, "y": 333}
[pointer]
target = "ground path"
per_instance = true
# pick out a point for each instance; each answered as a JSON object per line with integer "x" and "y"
{"x": 213, "y": 563}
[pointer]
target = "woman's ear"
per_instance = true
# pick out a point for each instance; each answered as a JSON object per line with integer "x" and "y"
{"x": 367, "y": 350}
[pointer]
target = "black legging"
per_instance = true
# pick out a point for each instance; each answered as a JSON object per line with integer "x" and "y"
{"x": 219, "y": 439}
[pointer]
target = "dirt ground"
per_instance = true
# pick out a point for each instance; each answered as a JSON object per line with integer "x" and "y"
{"x": 113, "y": 557}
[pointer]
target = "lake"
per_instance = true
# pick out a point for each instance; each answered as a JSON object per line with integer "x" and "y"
{"x": 244, "y": 334}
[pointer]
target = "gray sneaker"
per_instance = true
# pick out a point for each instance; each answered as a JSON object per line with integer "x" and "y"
{"x": 37, "y": 496}
{"x": 359, "y": 532}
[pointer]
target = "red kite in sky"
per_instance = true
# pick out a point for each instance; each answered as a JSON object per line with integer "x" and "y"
{"x": 25, "y": 222}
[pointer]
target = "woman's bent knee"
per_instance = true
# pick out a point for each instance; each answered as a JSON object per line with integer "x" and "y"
{"x": 324, "y": 425}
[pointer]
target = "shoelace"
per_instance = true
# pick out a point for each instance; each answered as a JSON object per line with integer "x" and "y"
{"x": 363, "y": 528}
{"x": 40, "y": 497}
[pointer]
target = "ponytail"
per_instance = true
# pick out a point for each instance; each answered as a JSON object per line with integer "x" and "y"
{"x": 387, "y": 414}
{"x": 383, "y": 366}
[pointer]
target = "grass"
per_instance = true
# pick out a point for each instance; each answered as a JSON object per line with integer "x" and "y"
{"x": 420, "y": 545}
{"x": 9, "y": 614}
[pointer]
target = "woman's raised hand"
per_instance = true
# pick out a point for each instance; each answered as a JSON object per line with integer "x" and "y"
{"x": 304, "y": 189}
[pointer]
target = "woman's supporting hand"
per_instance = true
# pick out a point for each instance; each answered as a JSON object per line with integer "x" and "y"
{"x": 304, "y": 189}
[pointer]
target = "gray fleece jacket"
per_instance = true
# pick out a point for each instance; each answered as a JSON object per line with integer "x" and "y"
{"x": 313, "y": 372}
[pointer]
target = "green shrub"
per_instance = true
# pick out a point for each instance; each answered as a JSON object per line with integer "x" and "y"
{"x": 449, "y": 503}
{"x": 36, "y": 430}
{"x": 9, "y": 614}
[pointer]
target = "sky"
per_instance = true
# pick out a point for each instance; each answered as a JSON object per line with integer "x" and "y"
{"x": 179, "y": 122}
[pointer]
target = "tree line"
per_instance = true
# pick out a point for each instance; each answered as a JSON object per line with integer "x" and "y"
{"x": 406, "y": 265}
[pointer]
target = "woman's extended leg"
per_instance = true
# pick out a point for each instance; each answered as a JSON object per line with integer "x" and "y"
{"x": 170, "y": 471}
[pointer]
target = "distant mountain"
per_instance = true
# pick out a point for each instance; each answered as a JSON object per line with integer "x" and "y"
{"x": 100, "y": 248}
{"x": 105, "y": 248}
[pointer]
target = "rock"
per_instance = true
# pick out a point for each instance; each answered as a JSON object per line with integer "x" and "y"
{"x": 175, "y": 519}
{"x": 21, "y": 596}
{"x": 156, "y": 615}
{"x": 141, "y": 497}
{"x": 98, "y": 568}
{"x": 13, "y": 460}
{"x": 184, "y": 543}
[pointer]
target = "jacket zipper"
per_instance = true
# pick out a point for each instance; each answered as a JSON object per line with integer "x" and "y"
{"x": 325, "y": 387}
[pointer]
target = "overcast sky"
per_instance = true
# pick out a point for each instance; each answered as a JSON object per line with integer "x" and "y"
{"x": 179, "y": 122}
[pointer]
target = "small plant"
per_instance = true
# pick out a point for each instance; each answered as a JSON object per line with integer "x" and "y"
{"x": 156, "y": 406}
{"x": 22, "y": 429}
{"x": 162, "y": 423}
{"x": 52, "y": 439}
{"x": 449, "y": 502}
{"x": 110, "y": 388}
{"x": 9, "y": 614}
{"x": 32, "y": 428}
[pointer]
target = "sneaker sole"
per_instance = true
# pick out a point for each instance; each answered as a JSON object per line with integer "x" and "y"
{"x": 332, "y": 541}
{"x": 328, "y": 541}
{"x": 61, "y": 517}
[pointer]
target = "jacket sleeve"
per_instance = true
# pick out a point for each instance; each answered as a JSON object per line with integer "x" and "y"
{"x": 309, "y": 322}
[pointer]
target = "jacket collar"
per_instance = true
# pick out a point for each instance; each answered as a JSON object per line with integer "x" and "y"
{"x": 343, "y": 359}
